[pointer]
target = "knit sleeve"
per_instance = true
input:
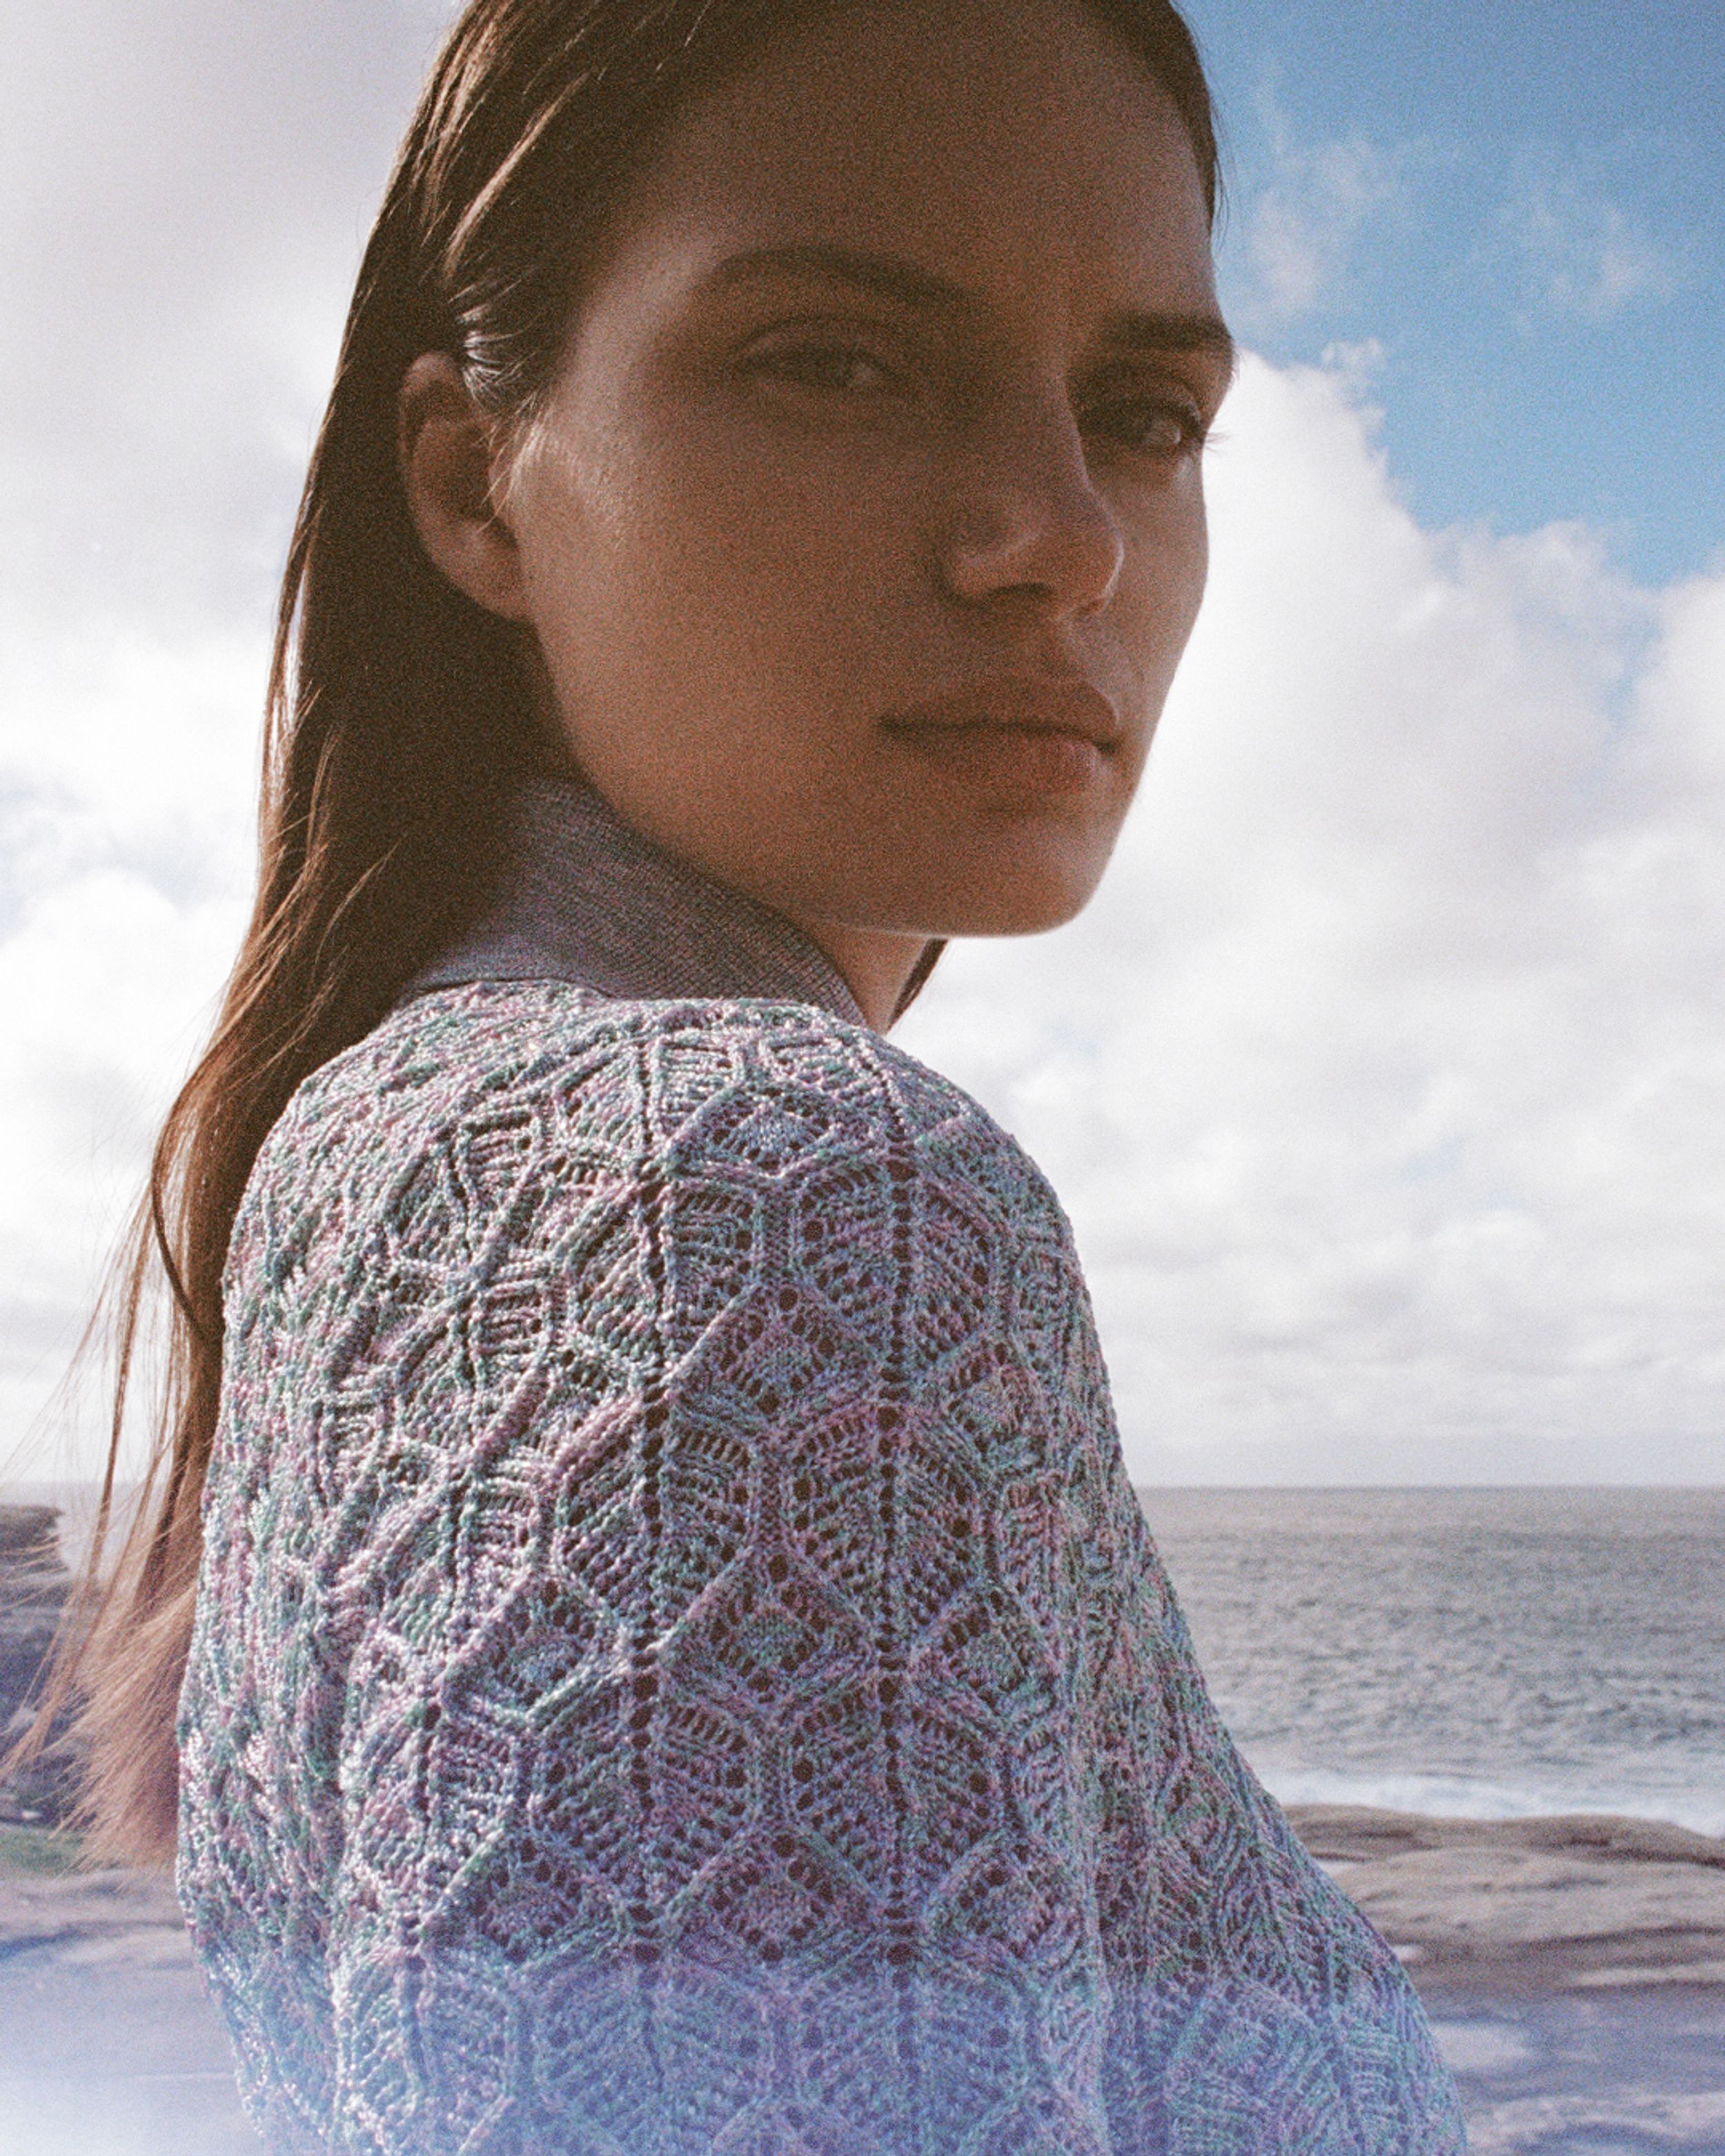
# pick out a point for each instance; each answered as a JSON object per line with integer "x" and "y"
{"x": 707, "y": 1776}
{"x": 666, "y": 1488}
{"x": 676, "y": 1670}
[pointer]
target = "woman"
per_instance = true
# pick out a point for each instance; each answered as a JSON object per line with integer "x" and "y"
{"x": 677, "y": 1663}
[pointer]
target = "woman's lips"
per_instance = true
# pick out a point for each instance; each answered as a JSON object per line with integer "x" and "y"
{"x": 1030, "y": 734}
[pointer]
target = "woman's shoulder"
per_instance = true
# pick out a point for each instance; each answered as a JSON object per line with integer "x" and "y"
{"x": 675, "y": 1089}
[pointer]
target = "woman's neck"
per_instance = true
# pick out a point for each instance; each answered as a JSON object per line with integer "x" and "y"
{"x": 876, "y": 963}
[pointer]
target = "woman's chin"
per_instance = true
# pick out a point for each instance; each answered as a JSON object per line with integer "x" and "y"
{"x": 1025, "y": 899}
{"x": 954, "y": 882}
{"x": 1021, "y": 914}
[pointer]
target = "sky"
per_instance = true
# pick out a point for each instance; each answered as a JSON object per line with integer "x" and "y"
{"x": 1518, "y": 207}
{"x": 1385, "y": 1082}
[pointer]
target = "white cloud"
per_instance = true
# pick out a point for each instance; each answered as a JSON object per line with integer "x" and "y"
{"x": 1385, "y": 1079}
{"x": 182, "y": 196}
{"x": 126, "y": 787}
{"x": 1582, "y": 257}
{"x": 1300, "y": 229}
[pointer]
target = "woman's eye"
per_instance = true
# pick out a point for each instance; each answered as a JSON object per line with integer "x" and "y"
{"x": 1153, "y": 426}
{"x": 848, "y": 368}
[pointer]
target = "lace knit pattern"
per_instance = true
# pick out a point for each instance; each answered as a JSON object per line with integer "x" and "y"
{"x": 680, "y": 1667}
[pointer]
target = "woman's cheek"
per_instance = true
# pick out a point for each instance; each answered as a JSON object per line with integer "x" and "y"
{"x": 790, "y": 574}
{"x": 1169, "y": 563}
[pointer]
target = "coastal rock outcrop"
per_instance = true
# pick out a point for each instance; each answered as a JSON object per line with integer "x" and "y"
{"x": 35, "y": 1589}
{"x": 1588, "y": 1902}
{"x": 34, "y": 1585}
{"x": 1573, "y": 1967}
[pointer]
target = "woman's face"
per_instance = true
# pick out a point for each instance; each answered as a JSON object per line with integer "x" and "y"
{"x": 864, "y": 526}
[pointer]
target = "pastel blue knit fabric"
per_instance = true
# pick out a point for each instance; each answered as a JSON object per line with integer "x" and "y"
{"x": 679, "y": 1667}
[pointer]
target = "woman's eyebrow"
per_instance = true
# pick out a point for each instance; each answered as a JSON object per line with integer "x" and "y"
{"x": 896, "y": 278}
{"x": 1176, "y": 331}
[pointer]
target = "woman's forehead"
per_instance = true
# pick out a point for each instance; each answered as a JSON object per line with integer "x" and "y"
{"x": 992, "y": 145}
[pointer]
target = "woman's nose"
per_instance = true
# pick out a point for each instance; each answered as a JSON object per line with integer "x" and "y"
{"x": 1029, "y": 520}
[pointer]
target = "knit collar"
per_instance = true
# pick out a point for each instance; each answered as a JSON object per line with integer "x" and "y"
{"x": 587, "y": 899}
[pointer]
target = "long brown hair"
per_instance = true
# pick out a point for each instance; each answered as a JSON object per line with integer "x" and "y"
{"x": 397, "y": 715}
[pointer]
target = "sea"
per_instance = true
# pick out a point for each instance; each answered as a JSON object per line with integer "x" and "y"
{"x": 1486, "y": 1653}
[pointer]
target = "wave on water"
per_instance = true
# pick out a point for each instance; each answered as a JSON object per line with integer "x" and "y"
{"x": 1485, "y": 1654}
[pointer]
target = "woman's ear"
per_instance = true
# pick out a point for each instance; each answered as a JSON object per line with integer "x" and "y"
{"x": 447, "y": 449}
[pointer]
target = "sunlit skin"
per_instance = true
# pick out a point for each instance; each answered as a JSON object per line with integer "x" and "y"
{"x": 863, "y": 526}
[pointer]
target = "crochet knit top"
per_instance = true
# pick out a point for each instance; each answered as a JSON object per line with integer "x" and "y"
{"x": 680, "y": 1669}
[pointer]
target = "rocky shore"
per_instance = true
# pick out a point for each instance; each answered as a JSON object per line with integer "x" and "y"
{"x": 1574, "y": 1968}
{"x": 1531, "y": 1905}
{"x": 35, "y": 1587}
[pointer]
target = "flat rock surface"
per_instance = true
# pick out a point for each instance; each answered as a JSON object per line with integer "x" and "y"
{"x": 1542, "y": 1905}
{"x": 1574, "y": 1970}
